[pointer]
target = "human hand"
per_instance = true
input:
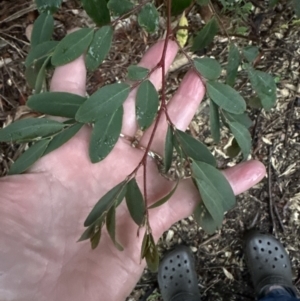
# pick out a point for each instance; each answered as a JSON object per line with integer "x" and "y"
{"x": 42, "y": 212}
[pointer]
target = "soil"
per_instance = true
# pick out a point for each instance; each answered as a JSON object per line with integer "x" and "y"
{"x": 273, "y": 205}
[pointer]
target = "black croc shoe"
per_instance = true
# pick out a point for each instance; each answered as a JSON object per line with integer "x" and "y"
{"x": 177, "y": 277}
{"x": 268, "y": 262}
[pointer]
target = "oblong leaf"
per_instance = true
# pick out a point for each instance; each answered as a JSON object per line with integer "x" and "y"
{"x": 168, "y": 149}
{"x": 206, "y": 35}
{"x": 56, "y": 103}
{"x": 205, "y": 220}
{"x": 97, "y": 10}
{"x": 99, "y": 47}
{"x": 63, "y": 137}
{"x": 135, "y": 202}
{"x": 92, "y": 229}
{"x": 151, "y": 255}
{"x": 30, "y": 128}
{"x": 178, "y": 6}
{"x": 39, "y": 54}
{"x": 42, "y": 29}
{"x": 243, "y": 119}
{"x": 265, "y": 87}
{"x": 104, "y": 204}
{"x": 95, "y": 239}
{"x": 194, "y": 148}
{"x": 105, "y": 135}
{"x": 146, "y": 106}
{"x": 208, "y": 68}
{"x": 242, "y": 137}
{"x": 233, "y": 150}
{"x": 234, "y": 59}
{"x": 40, "y": 80}
{"x": 226, "y": 97}
{"x": 103, "y": 103}
{"x": 120, "y": 7}
{"x": 148, "y": 17}
{"x": 214, "y": 188}
{"x": 111, "y": 227}
{"x": 165, "y": 198}
{"x": 72, "y": 46}
{"x": 250, "y": 53}
{"x": 214, "y": 120}
{"x": 28, "y": 158}
{"x": 137, "y": 72}
{"x": 48, "y": 6}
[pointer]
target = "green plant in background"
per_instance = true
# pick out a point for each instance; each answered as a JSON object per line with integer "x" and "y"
{"x": 104, "y": 109}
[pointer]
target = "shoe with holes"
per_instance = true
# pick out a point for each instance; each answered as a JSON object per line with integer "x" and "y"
{"x": 177, "y": 277}
{"x": 268, "y": 263}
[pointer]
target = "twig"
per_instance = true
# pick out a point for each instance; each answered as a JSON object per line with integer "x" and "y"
{"x": 289, "y": 117}
{"x": 279, "y": 218}
{"x": 216, "y": 236}
{"x": 270, "y": 192}
{"x": 20, "y": 13}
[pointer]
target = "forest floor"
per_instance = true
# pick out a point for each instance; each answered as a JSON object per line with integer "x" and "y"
{"x": 273, "y": 205}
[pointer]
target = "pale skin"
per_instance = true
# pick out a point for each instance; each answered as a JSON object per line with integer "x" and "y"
{"x": 42, "y": 212}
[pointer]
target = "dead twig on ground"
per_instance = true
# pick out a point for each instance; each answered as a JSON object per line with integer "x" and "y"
{"x": 270, "y": 193}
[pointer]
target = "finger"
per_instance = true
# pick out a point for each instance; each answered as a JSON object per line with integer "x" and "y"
{"x": 149, "y": 61}
{"x": 241, "y": 177}
{"x": 181, "y": 109}
{"x": 70, "y": 78}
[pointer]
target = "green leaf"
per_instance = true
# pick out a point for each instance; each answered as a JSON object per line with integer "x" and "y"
{"x": 97, "y": 10}
{"x": 111, "y": 226}
{"x": 92, "y": 229}
{"x": 48, "y": 6}
{"x": 148, "y": 18}
{"x": 214, "y": 120}
{"x": 151, "y": 254}
{"x": 194, "y": 148}
{"x": 208, "y": 68}
{"x": 250, "y": 53}
{"x": 105, "y": 135}
{"x": 206, "y": 35}
{"x": 145, "y": 245}
{"x": 205, "y": 220}
{"x": 114, "y": 195}
{"x": 147, "y": 101}
{"x": 42, "y": 29}
{"x": 296, "y": 6}
{"x": 202, "y": 2}
{"x": 72, "y": 46}
{"x": 99, "y": 47}
{"x": 241, "y": 118}
{"x": 30, "y": 156}
{"x": 168, "y": 149}
{"x": 226, "y": 97}
{"x": 56, "y": 103}
{"x": 62, "y": 137}
{"x": 255, "y": 102}
{"x": 242, "y": 137}
{"x": 120, "y": 7}
{"x": 265, "y": 87}
{"x": 135, "y": 202}
{"x": 40, "y": 53}
{"x": 233, "y": 64}
{"x": 40, "y": 80}
{"x": 165, "y": 198}
{"x": 29, "y": 128}
{"x": 178, "y": 6}
{"x": 137, "y": 72}
{"x": 103, "y": 103}
{"x": 95, "y": 239}
{"x": 233, "y": 150}
{"x": 272, "y": 3}
{"x": 216, "y": 192}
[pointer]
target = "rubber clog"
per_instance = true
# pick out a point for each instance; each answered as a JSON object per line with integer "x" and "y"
{"x": 177, "y": 276}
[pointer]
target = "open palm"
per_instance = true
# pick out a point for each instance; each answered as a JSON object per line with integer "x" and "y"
{"x": 42, "y": 212}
